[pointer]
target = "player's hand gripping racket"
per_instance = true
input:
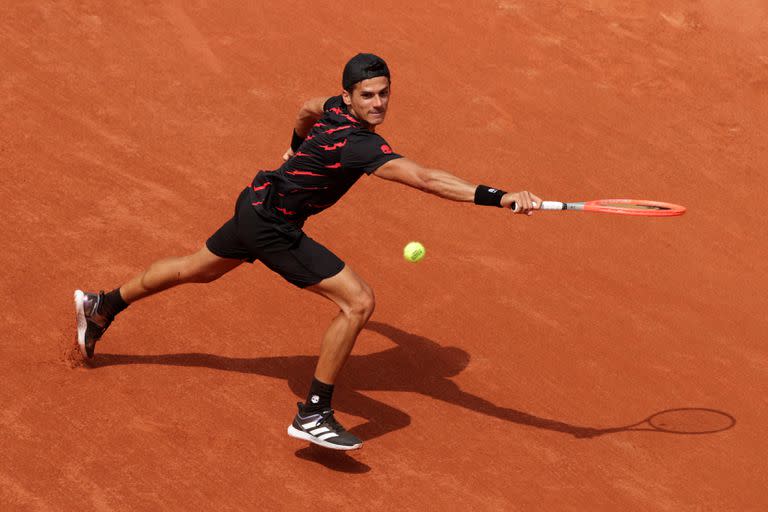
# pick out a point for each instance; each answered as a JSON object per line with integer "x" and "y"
{"x": 638, "y": 207}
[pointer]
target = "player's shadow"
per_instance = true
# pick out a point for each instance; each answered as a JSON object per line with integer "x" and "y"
{"x": 415, "y": 364}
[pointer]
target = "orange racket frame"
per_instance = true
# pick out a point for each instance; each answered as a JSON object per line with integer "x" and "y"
{"x": 639, "y": 207}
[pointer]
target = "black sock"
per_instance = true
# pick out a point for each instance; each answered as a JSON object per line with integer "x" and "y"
{"x": 113, "y": 304}
{"x": 319, "y": 396}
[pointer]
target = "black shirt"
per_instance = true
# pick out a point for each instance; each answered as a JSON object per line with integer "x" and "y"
{"x": 337, "y": 151}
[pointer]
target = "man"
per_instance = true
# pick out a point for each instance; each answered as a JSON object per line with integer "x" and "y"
{"x": 334, "y": 143}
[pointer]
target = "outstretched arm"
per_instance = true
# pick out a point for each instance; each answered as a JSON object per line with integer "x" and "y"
{"x": 446, "y": 185}
{"x": 309, "y": 113}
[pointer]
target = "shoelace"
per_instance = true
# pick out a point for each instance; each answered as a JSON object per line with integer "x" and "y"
{"x": 327, "y": 417}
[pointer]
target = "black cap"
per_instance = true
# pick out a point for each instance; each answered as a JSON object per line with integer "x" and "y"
{"x": 361, "y": 67}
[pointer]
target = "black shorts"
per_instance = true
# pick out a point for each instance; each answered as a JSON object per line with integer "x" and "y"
{"x": 282, "y": 247}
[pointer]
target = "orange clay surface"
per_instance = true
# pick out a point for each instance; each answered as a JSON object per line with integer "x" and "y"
{"x": 497, "y": 373}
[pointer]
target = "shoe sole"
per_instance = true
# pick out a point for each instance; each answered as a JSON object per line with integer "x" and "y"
{"x": 82, "y": 323}
{"x": 298, "y": 434}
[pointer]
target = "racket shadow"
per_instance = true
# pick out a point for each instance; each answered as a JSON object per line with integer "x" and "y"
{"x": 681, "y": 421}
{"x": 414, "y": 364}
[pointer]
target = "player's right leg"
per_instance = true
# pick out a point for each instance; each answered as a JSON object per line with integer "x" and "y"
{"x": 200, "y": 267}
{"x": 95, "y": 311}
{"x": 222, "y": 252}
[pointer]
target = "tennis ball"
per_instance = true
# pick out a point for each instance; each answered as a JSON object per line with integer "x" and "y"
{"x": 414, "y": 251}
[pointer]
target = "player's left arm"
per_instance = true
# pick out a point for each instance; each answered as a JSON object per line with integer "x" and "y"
{"x": 447, "y": 186}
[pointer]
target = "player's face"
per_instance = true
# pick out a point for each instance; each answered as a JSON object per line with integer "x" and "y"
{"x": 369, "y": 99}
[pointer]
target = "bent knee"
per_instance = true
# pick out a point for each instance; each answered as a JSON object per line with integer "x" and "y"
{"x": 363, "y": 303}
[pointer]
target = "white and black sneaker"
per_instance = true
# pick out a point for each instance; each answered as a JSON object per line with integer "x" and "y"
{"x": 322, "y": 429}
{"x": 90, "y": 323}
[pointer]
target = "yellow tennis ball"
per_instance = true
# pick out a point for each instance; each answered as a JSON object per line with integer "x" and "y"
{"x": 414, "y": 251}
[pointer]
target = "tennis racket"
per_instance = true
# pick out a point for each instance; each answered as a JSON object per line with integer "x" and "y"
{"x": 638, "y": 207}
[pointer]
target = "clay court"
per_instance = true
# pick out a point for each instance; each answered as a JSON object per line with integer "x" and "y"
{"x": 501, "y": 373}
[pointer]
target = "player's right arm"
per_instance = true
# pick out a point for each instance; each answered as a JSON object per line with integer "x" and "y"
{"x": 446, "y": 185}
{"x": 309, "y": 113}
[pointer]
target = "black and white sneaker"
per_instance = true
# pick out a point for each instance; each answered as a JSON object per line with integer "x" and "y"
{"x": 90, "y": 323}
{"x": 322, "y": 429}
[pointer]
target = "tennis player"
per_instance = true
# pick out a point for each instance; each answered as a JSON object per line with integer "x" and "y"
{"x": 334, "y": 143}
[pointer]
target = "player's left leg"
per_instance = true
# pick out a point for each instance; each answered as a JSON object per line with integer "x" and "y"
{"x": 315, "y": 420}
{"x": 356, "y": 303}
{"x": 305, "y": 263}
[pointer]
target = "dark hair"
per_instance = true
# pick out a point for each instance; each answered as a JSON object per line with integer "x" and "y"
{"x": 361, "y": 67}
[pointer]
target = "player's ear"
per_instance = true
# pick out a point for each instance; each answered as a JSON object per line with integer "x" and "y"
{"x": 347, "y": 97}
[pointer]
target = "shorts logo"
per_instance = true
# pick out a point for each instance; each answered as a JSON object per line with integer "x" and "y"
{"x": 386, "y": 149}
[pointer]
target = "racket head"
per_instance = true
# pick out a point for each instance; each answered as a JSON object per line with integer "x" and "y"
{"x": 639, "y": 207}
{"x": 691, "y": 420}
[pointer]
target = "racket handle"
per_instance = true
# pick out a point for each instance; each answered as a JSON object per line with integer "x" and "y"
{"x": 513, "y": 206}
{"x": 545, "y": 205}
{"x": 552, "y": 205}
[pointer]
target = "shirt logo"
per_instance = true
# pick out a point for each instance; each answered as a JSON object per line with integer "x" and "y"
{"x": 386, "y": 149}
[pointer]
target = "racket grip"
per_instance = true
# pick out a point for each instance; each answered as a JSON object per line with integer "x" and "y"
{"x": 552, "y": 205}
{"x": 513, "y": 205}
